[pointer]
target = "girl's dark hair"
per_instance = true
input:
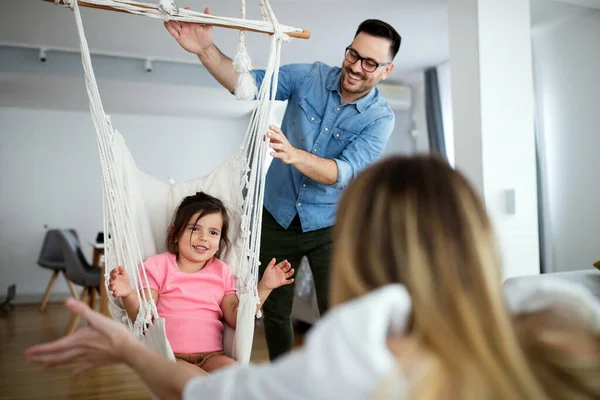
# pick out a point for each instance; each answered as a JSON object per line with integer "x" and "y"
{"x": 206, "y": 204}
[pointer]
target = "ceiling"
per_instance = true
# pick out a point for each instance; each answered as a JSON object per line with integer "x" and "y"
{"x": 422, "y": 24}
{"x": 24, "y": 81}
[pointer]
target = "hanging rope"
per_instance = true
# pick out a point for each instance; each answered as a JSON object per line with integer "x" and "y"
{"x": 245, "y": 88}
{"x": 122, "y": 246}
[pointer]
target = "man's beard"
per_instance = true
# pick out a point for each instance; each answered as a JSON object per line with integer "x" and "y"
{"x": 361, "y": 87}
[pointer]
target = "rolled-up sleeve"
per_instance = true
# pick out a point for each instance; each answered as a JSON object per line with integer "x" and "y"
{"x": 364, "y": 150}
{"x": 289, "y": 78}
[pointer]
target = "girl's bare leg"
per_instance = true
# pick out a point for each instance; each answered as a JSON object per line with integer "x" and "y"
{"x": 217, "y": 362}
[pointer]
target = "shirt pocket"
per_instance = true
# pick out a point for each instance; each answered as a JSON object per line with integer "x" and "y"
{"x": 309, "y": 123}
{"x": 309, "y": 112}
{"x": 339, "y": 141}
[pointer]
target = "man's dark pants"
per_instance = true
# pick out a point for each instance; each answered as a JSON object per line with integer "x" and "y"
{"x": 292, "y": 244}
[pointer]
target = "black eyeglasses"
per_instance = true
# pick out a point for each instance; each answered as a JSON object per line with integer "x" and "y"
{"x": 368, "y": 64}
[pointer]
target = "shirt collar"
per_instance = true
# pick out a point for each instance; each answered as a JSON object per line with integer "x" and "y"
{"x": 333, "y": 84}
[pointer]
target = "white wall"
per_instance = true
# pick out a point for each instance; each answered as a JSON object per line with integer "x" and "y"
{"x": 567, "y": 59}
{"x": 49, "y": 165}
{"x": 492, "y": 103}
{"x": 413, "y": 122}
{"x": 49, "y": 175}
{"x": 420, "y": 133}
{"x": 509, "y": 136}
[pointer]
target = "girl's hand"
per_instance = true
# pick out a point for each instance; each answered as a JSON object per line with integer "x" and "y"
{"x": 119, "y": 283}
{"x": 277, "y": 275}
{"x": 103, "y": 342}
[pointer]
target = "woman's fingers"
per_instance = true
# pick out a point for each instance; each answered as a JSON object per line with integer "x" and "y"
{"x": 84, "y": 367}
{"x": 38, "y": 351}
{"x": 95, "y": 319}
{"x": 53, "y": 358}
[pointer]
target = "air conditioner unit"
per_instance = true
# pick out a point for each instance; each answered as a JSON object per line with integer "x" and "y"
{"x": 399, "y": 97}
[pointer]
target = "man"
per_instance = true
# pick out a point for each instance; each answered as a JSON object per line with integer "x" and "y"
{"x": 335, "y": 125}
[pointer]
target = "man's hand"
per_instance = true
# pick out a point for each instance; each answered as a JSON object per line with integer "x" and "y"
{"x": 322, "y": 170}
{"x": 283, "y": 149}
{"x": 193, "y": 37}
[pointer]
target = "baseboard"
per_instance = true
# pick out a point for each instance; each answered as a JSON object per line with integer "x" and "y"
{"x": 36, "y": 298}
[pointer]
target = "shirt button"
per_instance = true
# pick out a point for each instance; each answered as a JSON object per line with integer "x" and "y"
{"x": 304, "y": 185}
{"x": 326, "y": 129}
{"x": 299, "y": 204}
{"x": 312, "y": 118}
{"x": 337, "y": 135}
{"x": 315, "y": 150}
{"x": 338, "y": 109}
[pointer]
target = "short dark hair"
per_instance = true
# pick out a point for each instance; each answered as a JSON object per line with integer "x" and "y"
{"x": 378, "y": 28}
{"x": 189, "y": 206}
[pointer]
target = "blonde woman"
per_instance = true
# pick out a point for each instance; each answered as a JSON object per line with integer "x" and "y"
{"x": 418, "y": 312}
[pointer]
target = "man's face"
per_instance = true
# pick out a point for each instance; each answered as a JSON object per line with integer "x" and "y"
{"x": 375, "y": 50}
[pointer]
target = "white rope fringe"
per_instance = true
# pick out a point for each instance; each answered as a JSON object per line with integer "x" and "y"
{"x": 245, "y": 88}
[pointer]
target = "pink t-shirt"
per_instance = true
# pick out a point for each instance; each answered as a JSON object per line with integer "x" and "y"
{"x": 190, "y": 302}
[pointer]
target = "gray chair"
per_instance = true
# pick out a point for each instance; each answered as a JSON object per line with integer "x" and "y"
{"x": 51, "y": 257}
{"x": 78, "y": 271}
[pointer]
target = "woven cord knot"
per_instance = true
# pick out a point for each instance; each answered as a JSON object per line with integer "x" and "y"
{"x": 66, "y": 3}
{"x": 168, "y": 9}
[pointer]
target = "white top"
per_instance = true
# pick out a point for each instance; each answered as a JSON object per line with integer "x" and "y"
{"x": 345, "y": 355}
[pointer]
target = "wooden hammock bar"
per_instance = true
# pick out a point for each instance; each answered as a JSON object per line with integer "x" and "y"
{"x": 304, "y": 34}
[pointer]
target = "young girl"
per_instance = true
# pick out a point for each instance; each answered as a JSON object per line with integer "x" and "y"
{"x": 192, "y": 288}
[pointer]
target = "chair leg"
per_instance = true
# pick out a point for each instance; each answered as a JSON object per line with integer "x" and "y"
{"x": 74, "y": 321}
{"x": 72, "y": 288}
{"x": 92, "y": 298}
{"x": 47, "y": 293}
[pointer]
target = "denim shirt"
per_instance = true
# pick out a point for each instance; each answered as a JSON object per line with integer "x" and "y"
{"x": 354, "y": 135}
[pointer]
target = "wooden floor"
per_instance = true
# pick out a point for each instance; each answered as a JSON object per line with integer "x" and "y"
{"x": 27, "y": 326}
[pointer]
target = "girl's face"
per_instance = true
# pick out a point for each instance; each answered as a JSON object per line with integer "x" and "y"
{"x": 200, "y": 240}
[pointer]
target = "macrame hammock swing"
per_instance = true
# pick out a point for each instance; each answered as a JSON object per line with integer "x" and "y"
{"x": 138, "y": 207}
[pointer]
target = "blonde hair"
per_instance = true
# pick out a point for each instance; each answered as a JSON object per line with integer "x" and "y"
{"x": 418, "y": 222}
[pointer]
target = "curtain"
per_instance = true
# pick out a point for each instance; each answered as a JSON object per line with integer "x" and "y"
{"x": 433, "y": 111}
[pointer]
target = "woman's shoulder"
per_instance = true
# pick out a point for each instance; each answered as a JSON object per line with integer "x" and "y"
{"x": 386, "y": 309}
{"x": 358, "y": 331}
